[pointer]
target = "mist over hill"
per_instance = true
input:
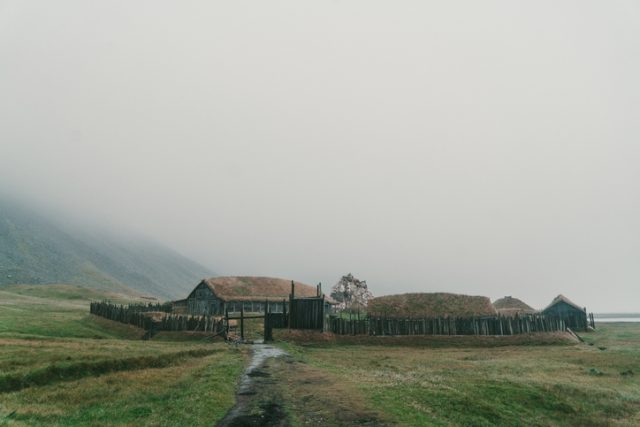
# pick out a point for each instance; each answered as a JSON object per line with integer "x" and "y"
{"x": 39, "y": 250}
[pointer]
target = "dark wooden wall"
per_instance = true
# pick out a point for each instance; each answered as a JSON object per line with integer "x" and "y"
{"x": 307, "y": 313}
{"x": 202, "y": 301}
{"x": 255, "y": 306}
{"x": 447, "y": 326}
{"x": 135, "y": 315}
{"x": 574, "y": 318}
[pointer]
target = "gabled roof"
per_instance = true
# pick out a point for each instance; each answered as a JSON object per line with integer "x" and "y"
{"x": 249, "y": 288}
{"x": 562, "y": 298}
{"x": 439, "y": 304}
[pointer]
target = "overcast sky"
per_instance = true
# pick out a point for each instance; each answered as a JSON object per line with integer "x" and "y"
{"x": 489, "y": 148}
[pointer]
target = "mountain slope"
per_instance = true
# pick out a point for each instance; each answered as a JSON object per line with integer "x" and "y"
{"x": 34, "y": 250}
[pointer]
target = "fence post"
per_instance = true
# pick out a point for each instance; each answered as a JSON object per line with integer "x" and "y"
{"x": 290, "y": 306}
{"x": 321, "y": 312}
{"x": 226, "y": 318}
{"x": 242, "y": 322}
{"x": 268, "y": 336}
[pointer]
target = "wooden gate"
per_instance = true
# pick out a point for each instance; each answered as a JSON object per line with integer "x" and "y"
{"x": 271, "y": 321}
{"x": 306, "y": 313}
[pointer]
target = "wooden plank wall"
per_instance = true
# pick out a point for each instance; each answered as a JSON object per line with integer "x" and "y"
{"x": 448, "y": 326}
{"x": 306, "y": 313}
{"x": 166, "y": 308}
{"x": 277, "y": 320}
{"x": 169, "y": 322}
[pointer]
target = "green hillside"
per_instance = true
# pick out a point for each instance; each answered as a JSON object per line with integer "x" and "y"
{"x": 35, "y": 250}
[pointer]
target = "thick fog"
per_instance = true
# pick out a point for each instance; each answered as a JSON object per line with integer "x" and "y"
{"x": 489, "y": 148}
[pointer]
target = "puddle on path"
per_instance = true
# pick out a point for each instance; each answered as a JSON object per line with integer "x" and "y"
{"x": 254, "y": 405}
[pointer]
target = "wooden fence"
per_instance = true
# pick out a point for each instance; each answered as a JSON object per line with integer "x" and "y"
{"x": 306, "y": 313}
{"x": 277, "y": 320}
{"x": 167, "y": 322}
{"x": 165, "y": 308}
{"x": 577, "y": 322}
{"x": 122, "y": 314}
{"x": 446, "y": 326}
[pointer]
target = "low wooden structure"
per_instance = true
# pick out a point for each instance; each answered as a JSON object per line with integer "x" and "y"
{"x": 218, "y": 295}
{"x": 454, "y": 314}
{"x": 574, "y": 316}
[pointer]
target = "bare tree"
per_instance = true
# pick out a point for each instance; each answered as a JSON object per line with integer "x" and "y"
{"x": 351, "y": 294}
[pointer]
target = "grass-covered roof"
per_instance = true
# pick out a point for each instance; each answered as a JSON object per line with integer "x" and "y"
{"x": 249, "y": 288}
{"x": 509, "y": 306}
{"x": 439, "y": 304}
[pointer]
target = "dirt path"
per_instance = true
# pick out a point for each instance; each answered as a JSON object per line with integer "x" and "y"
{"x": 257, "y": 402}
{"x": 275, "y": 389}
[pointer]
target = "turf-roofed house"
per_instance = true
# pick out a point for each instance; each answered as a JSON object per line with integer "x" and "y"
{"x": 216, "y": 295}
{"x": 510, "y": 307}
{"x": 431, "y": 305}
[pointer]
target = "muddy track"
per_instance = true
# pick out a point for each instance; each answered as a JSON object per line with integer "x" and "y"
{"x": 258, "y": 402}
{"x": 276, "y": 388}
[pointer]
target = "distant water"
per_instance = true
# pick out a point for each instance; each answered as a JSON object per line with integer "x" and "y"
{"x": 615, "y": 317}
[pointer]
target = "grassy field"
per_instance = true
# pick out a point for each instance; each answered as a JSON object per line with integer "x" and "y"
{"x": 61, "y": 366}
{"x": 57, "y": 311}
{"x": 571, "y": 384}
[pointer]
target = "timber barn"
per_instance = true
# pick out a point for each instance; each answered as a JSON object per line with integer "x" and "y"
{"x": 216, "y": 295}
{"x": 574, "y": 316}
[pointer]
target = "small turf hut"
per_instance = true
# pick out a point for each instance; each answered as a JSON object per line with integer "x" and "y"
{"x": 216, "y": 295}
{"x": 509, "y": 307}
{"x": 574, "y": 316}
{"x": 431, "y": 305}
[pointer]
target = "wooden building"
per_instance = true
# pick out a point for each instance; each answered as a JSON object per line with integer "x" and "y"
{"x": 216, "y": 295}
{"x": 574, "y": 316}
